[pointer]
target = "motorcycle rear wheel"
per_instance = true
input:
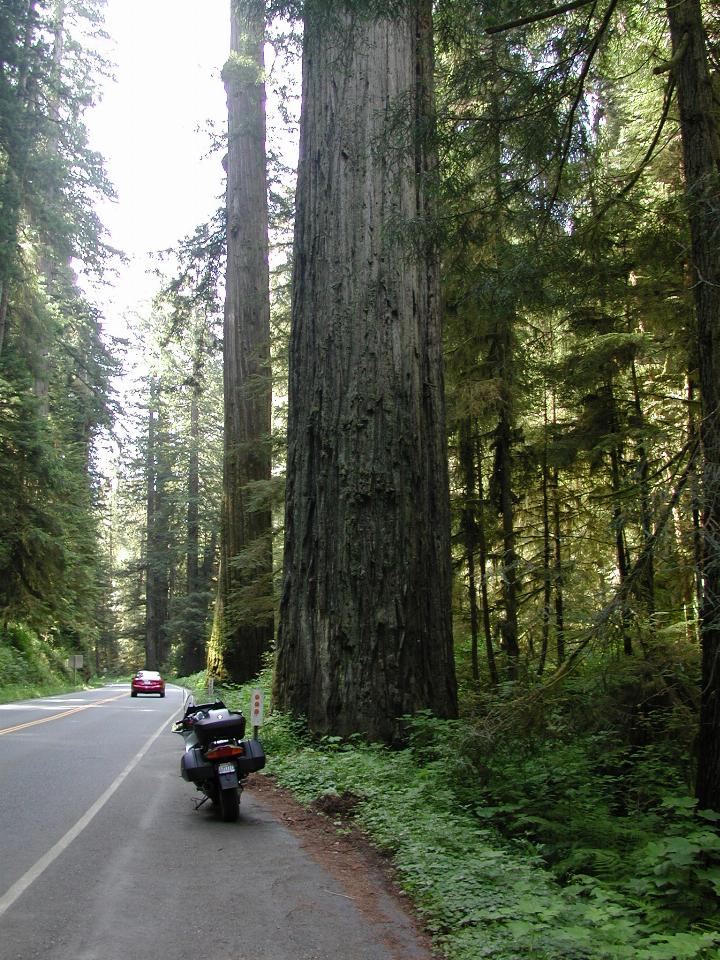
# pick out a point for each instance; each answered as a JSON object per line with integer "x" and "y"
{"x": 230, "y": 804}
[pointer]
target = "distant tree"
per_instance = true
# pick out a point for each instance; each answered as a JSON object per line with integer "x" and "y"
{"x": 189, "y": 338}
{"x": 167, "y": 519}
{"x": 194, "y": 642}
{"x": 475, "y": 543}
{"x": 365, "y": 630}
{"x": 243, "y": 630}
{"x": 157, "y": 535}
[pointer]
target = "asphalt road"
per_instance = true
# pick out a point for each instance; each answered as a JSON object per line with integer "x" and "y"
{"x": 104, "y": 857}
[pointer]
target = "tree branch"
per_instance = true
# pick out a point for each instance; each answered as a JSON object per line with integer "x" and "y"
{"x": 570, "y": 121}
{"x": 648, "y": 154}
{"x": 536, "y": 17}
{"x": 675, "y": 59}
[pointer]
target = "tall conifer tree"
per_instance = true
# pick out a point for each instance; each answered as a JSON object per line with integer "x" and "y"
{"x": 365, "y": 630}
{"x": 701, "y": 161}
{"x": 244, "y": 627}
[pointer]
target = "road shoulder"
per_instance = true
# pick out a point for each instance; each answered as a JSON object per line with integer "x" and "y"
{"x": 350, "y": 857}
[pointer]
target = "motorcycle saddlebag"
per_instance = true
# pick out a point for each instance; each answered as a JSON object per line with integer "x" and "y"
{"x": 254, "y": 758}
{"x": 219, "y": 725}
{"x": 194, "y": 767}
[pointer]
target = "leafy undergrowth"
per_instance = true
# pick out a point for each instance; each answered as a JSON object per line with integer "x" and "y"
{"x": 29, "y": 667}
{"x": 483, "y": 894}
{"x": 480, "y": 895}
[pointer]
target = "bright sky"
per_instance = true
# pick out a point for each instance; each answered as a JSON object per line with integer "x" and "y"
{"x": 150, "y": 127}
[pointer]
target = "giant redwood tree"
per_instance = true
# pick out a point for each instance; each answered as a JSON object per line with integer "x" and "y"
{"x": 365, "y": 621}
{"x": 243, "y": 629}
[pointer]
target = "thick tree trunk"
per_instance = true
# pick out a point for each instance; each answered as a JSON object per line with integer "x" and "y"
{"x": 701, "y": 160}
{"x": 247, "y": 630}
{"x": 365, "y": 625}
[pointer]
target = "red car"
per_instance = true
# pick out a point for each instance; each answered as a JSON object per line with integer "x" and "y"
{"x": 147, "y": 681}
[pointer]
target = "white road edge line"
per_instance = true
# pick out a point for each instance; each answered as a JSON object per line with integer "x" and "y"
{"x": 21, "y": 885}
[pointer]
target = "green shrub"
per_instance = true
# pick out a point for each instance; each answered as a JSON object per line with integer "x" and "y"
{"x": 480, "y": 896}
{"x": 590, "y": 806}
{"x": 29, "y": 665}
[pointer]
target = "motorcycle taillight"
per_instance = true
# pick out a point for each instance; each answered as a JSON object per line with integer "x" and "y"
{"x": 223, "y": 750}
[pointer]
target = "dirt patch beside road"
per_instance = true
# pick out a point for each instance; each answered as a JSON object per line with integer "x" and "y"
{"x": 365, "y": 874}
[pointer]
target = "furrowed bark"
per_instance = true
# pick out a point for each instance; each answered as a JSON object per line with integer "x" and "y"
{"x": 365, "y": 624}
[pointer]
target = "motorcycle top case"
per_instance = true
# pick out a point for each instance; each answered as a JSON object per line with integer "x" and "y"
{"x": 254, "y": 758}
{"x": 222, "y": 724}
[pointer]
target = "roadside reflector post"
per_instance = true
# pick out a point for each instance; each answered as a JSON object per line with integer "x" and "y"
{"x": 257, "y": 703}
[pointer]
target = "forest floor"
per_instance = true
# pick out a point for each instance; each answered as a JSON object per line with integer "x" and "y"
{"x": 328, "y": 835}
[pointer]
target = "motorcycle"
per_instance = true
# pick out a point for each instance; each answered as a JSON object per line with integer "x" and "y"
{"x": 216, "y": 759}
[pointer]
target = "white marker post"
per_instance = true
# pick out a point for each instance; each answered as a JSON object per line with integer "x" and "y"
{"x": 257, "y": 705}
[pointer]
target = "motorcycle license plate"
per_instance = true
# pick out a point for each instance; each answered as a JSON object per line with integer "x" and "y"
{"x": 227, "y": 775}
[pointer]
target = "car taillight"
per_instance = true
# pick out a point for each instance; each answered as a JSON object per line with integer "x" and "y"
{"x": 224, "y": 750}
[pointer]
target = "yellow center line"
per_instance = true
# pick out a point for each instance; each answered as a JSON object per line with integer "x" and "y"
{"x": 58, "y": 716}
